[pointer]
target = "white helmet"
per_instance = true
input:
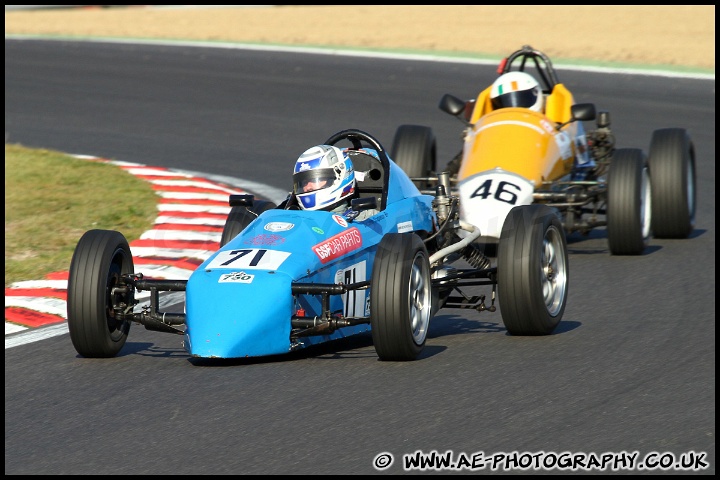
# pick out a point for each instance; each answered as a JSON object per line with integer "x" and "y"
{"x": 323, "y": 176}
{"x": 517, "y": 89}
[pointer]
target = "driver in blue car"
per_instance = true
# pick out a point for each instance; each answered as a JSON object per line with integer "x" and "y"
{"x": 324, "y": 179}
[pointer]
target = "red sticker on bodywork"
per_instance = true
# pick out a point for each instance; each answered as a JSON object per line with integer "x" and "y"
{"x": 338, "y": 245}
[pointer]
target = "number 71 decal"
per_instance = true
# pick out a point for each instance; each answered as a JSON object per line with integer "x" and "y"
{"x": 247, "y": 258}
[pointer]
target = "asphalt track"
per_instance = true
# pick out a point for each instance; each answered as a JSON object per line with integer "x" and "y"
{"x": 631, "y": 368}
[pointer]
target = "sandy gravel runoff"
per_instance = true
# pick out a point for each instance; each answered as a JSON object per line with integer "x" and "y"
{"x": 671, "y": 35}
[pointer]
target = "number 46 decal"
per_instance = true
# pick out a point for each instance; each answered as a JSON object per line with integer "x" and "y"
{"x": 248, "y": 258}
{"x": 505, "y": 191}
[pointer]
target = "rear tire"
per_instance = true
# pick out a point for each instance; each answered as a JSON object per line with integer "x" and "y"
{"x": 414, "y": 150}
{"x": 400, "y": 297}
{"x": 241, "y": 217}
{"x": 629, "y": 203}
{"x": 672, "y": 174}
{"x": 532, "y": 270}
{"x": 100, "y": 258}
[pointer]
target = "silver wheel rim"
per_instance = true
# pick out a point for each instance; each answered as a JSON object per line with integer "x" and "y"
{"x": 645, "y": 204}
{"x": 554, "y": 271}
{"x": 420, "y": 298}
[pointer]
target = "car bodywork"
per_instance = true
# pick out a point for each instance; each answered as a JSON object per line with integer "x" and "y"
{"x": 286, "y": 278}
{"x": 515, "y": 156}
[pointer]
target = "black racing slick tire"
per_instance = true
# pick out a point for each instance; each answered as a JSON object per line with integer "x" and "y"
{"x": 414, "y": 150}
{"x": 532, "y": 270}
{"x": 241, "y": 217}
{"x": 671, "y": 160}
{"x": 629, "y": 203}
{"x": 99, "y": 260}
{"x": 400, "y": 297}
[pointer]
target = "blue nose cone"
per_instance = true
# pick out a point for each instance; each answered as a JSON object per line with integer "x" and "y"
{"x": 238, "y": 314}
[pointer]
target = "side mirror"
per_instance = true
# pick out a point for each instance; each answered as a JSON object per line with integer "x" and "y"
{"x": 580, "y": 112}
{"x": 452, "y": 105}
{"x": 241, "y": 200}
{"x": 583, "y": 111}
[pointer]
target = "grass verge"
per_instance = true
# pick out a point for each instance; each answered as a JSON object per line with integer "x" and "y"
{"x": 52, "y": 199}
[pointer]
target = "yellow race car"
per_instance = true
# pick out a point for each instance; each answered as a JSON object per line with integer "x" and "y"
{"x": 524, "y": 142}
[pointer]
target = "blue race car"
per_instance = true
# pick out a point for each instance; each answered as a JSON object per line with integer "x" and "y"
{"x": 286, "y": 278}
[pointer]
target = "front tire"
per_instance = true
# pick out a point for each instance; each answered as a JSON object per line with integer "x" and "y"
{"x": 672, "y": 174}
{"x": 241, "y": 217}
{"x": 629, "y": 203}
{"x": 414, "y": 150}
{"x": 532, "y": 270}
{"x": 99, "y": 260}
{"x": 400, "y": 297}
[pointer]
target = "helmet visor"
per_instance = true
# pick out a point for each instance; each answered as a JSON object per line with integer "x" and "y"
{"x": 523, "y": 98}
{"x": 313, "y": 180}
